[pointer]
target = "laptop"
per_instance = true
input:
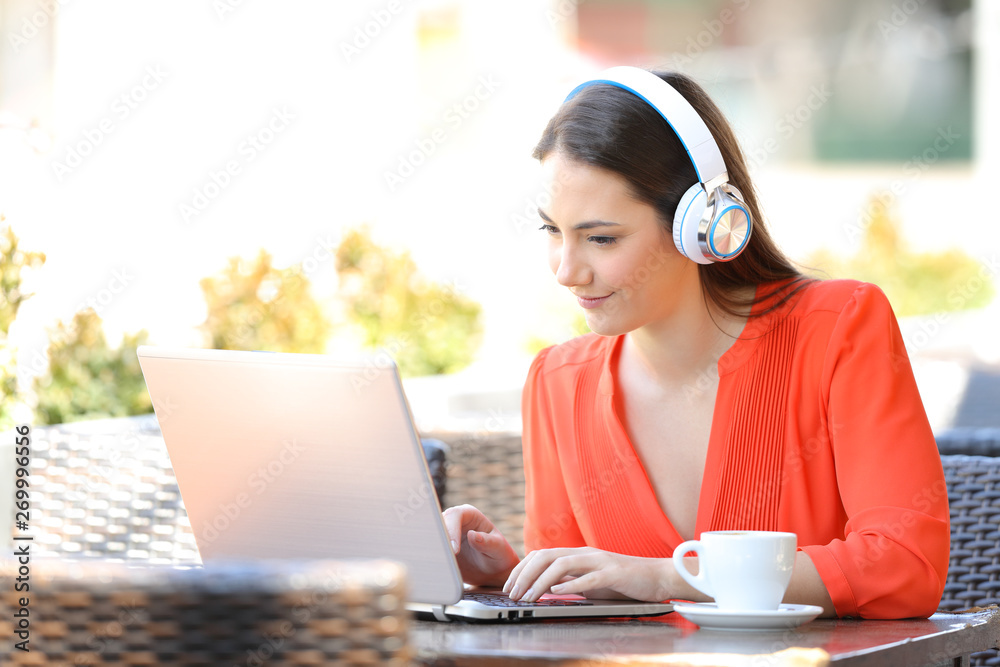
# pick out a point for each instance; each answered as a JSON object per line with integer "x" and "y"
{"x": 303, "y": 456}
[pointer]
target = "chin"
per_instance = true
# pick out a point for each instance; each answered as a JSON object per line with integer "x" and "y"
{"x": 605, "y": 326}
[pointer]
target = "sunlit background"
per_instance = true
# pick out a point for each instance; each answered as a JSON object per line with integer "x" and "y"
{"x": 142, "y": 144}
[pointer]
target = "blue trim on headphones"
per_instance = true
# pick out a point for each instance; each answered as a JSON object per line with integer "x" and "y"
{"x": 643, "y": 98}
{"x": 711, "y": 235}
{"x": 680, "y": 227}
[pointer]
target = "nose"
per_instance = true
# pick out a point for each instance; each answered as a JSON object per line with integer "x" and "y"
{"x": 568, "y": 266}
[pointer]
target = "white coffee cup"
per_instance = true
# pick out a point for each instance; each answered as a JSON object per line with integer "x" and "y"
{"x": 744, "y": 570}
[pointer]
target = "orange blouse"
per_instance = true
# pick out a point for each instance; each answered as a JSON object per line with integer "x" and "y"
{"x": 818, "y": 429}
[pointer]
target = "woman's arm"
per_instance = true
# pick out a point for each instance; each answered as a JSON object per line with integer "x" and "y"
{"x": 806, "y": 587}
{"x": 892, "y": 560}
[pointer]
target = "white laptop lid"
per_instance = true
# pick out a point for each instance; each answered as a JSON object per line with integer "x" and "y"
{"x": 300, "y": 456}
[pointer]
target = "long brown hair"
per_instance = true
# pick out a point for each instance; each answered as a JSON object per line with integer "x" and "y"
{"x": 607, "y": 127}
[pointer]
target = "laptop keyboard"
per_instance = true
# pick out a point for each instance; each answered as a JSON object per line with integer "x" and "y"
{"x": 501, "y": 600}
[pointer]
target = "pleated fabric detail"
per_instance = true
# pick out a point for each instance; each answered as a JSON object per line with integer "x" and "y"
{"x": 751, "y": 472}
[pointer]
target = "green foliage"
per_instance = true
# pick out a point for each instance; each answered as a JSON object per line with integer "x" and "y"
{"x": 915, "y": 283}
{"x": 13, "y": 261}
{"x": 254, "y": 306}
{"x": 429, "y": 328}
{"x": 87, "y": 379}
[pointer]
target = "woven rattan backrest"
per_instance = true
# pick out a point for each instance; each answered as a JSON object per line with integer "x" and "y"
{"x": 974, "y": 497}
{"x": 106, "y": 490}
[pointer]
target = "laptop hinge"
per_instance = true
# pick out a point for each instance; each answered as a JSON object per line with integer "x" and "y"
{"x": 438, "y": 611}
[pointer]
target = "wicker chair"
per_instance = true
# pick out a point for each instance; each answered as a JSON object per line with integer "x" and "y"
{"x": 974, "y": 570}
{"x": 488, "y": 471}
{"x": 105, "y": 489}
{"x": 266, "y": 612}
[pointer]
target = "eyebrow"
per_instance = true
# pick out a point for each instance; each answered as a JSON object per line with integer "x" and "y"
{"x": 590, "y": 224}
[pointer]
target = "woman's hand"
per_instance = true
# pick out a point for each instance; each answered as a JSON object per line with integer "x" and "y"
{"x": 589, "y": 572}
{"x": 485, "y": 558}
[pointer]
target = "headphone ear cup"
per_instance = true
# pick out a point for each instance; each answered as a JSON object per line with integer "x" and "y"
{"x": 687, "y": 219}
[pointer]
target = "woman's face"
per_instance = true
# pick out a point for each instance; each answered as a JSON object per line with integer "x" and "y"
{"x": 610, "y": 249}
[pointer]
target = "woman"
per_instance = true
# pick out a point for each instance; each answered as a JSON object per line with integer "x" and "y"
{"x": 727, "y": 392}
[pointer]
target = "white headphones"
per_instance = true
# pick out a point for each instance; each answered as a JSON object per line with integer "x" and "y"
{"x": 711, "y": 224}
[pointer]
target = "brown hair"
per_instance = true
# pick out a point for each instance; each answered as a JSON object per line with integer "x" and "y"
{"x": 608, "y": 127}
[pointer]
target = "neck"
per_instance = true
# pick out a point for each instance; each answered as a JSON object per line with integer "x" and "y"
{"x": 687, "y": 345}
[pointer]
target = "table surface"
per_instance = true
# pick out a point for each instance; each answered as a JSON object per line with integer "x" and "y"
{"x": 671, "y": 640}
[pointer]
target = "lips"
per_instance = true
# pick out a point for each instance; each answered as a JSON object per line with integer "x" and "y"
{"x": 586, "y": 302}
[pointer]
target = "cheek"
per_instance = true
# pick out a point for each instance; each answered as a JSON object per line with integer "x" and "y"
{"x": 649, "y": 269}
{"x": 627, "y": 273}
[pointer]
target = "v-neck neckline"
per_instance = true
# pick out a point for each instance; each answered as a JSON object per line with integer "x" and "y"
{"x": 642, "y": 487}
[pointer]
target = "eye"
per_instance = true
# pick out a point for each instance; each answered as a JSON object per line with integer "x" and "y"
{"x": 602, "y": 241}
{"x": 549, "y": 229}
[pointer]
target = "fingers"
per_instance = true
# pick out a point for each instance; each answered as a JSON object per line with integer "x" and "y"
{"x": 587, "y": 571}
{"x": 483, "y": 555}
{"x": 453, "y": 527}
{"x": 541, "y": 570}
{"x": 490, "y": 545}
{"x": 592, "y": 581}
{"x": 459, "y": 520}
{"x": 516, "y": 573}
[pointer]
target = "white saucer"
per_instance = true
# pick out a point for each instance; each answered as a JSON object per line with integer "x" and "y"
{"x": 708, "y": 616}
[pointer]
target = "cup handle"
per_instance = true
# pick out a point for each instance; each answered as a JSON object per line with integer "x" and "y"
{"x": 697, "y": 580}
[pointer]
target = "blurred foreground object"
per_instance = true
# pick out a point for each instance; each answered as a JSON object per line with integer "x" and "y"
{"x": 264, "y": 612}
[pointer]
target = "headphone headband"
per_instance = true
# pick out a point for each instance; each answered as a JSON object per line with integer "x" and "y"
{"x": 677, "y": 111}
{"x": 711, "y": 222}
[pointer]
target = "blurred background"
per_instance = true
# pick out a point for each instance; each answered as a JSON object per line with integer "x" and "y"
{"x": 325, "y": 177}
